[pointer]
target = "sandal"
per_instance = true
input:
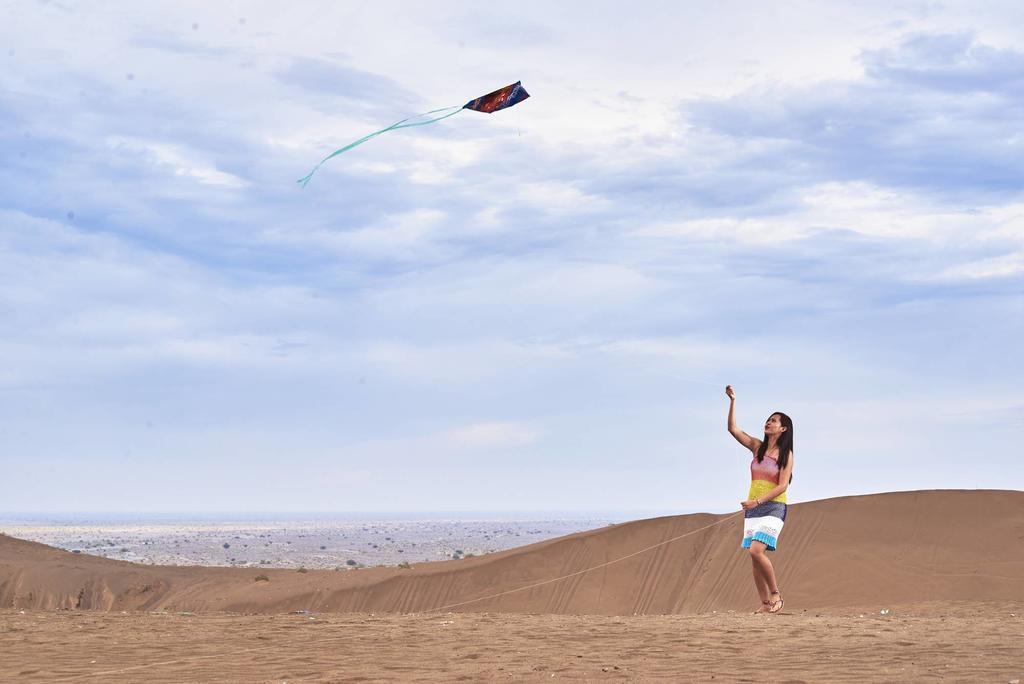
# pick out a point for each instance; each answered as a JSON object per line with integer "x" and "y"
{"x": 781, "y": 603}
{"x": 763, "y": 603}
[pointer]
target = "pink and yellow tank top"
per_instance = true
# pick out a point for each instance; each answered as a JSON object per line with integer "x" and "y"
{"x": 764, "y": 477}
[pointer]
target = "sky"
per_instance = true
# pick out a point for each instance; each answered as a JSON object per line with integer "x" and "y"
{"x": 821, "y": 204}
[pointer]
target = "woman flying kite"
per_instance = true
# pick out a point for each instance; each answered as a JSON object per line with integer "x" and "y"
{"x": 765, "y": 508}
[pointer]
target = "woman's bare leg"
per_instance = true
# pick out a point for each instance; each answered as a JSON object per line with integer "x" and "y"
{"x": 763, "y": 565}
{"x": 762, "y": 586}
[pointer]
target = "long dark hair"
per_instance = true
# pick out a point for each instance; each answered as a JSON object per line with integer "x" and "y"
{"x": 784, "y": 444}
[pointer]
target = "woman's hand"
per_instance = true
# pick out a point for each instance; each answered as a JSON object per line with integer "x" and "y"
{"x": 748, "y": 504}
{"x": 729, "y": 392}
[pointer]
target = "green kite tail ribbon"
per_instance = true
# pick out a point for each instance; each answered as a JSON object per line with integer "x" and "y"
{"x": 404, "y": 123}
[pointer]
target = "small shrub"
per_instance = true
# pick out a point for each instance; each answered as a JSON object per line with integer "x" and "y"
{"x": 303, "y": 570}
{"x": 262, "y": 578}
{"x": 404, "y": 565}
{"x": 350, "y": 562}
{"x": 226, "y": 545}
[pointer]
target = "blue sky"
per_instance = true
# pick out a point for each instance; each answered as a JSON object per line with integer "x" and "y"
{"x": 821, "y": 204}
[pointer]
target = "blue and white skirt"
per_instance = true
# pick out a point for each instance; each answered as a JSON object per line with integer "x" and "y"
{"x": 764, "y": 524}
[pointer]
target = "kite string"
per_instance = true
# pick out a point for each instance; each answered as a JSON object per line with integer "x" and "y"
{"x": 580, "y": 572}
{"x": 699, "y": 382}
{"x": 146, "y": 666}
{"x": 449, "y": 111}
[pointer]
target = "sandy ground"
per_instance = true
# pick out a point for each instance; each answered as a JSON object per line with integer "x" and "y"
{"x": 967, "y": 641}
{"x": 904, "y": 586}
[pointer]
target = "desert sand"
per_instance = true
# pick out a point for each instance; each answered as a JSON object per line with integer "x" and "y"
{"x": 908, "y": 585}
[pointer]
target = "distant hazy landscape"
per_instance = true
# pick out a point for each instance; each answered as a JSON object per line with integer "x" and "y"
{"x": 315, "y": 542}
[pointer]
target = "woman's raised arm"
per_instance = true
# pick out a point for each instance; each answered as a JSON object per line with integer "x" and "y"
{"x": 734, "y": 430}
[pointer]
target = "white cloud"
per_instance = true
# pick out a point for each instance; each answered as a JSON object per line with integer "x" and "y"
{"x": 180, "y": 161}
{"x": 495, "y": 435}
{"x": 395, "y": 235}
{"x": 466, "y": 363}
{"x": 902, "y": 217}
{"x": 688, "y": 352}
{"x": 559, "y": 199}
{"x": 408, "y": 236}
{"x": 1003, "y": 266}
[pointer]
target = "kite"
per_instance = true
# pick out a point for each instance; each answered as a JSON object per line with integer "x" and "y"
{"x": 489, "y": 103}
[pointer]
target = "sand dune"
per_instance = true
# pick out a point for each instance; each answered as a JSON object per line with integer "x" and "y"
{"x": 884, "y": 549}
{"x": 946, "y": 567}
